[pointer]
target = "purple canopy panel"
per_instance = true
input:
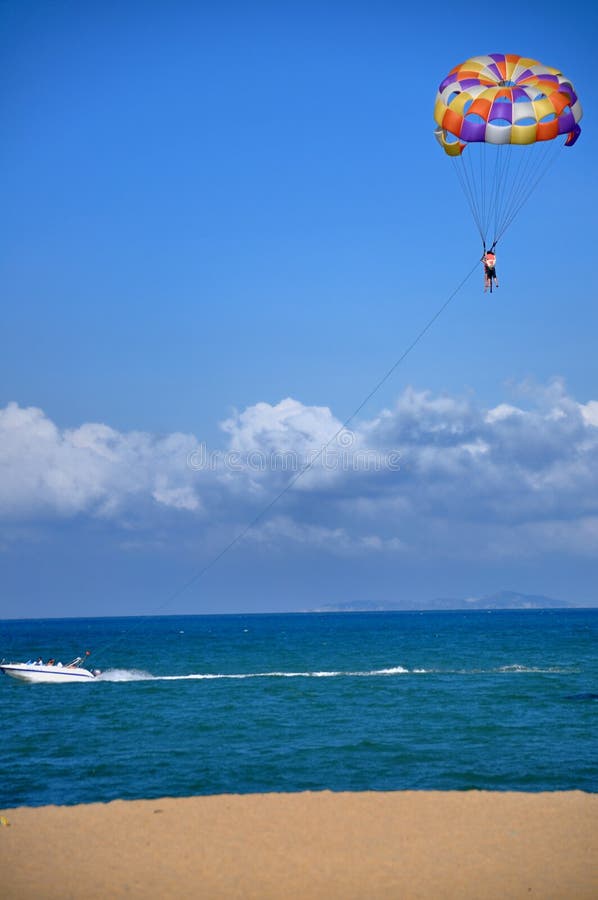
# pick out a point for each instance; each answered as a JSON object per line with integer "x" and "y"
{"x": 573, "y": 135}
{"x": 450, "y": 79}
{"x": 501, "y": 111}
{"x": 566, "y": 122}
{"x": 469, "y": 83}
{"x": 519, "y": 93}
{"x": 567, "y": 88}
{"x": 472, "y": 131}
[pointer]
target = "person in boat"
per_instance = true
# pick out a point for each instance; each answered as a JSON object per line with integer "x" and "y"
{"x": 51, "y": 662}
{"x": 39, "y": 661}
{"x": 489, "y": 261}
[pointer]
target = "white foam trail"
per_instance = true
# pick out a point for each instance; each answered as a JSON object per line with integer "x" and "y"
{"x": 517, "y": 668}
{"x": 397, "y": 670}
{"x": 125, "y": 675}
{"x": 140, "y": 675}
{"x": 242, "y": 675}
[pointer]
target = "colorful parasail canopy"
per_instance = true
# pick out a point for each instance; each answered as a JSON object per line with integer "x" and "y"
{"x": 505, "y": 99}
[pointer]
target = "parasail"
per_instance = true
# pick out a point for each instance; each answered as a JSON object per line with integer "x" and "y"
{"x": 502, "y": 118}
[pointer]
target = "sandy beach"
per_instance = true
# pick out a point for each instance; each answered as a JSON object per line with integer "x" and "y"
{"x": 309, "y": 845}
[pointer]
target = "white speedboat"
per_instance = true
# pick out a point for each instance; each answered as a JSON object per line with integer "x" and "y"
{"x": 49, "y": 672}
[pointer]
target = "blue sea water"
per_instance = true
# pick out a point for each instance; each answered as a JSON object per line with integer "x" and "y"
{"x": 353, "y": 701}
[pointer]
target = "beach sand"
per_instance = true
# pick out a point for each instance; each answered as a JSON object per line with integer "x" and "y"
{"x": 405, "y": 844}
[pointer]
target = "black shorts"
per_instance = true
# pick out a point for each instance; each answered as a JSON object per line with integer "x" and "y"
{"x": 490, "y": 271}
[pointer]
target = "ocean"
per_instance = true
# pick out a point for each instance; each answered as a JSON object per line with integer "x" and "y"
{"x": 190, "y": 705}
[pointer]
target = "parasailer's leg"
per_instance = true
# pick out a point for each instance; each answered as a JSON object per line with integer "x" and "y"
{"x": 490, "y": 279}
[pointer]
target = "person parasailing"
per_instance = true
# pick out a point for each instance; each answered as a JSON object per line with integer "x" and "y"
{"x": 490, "y": 276}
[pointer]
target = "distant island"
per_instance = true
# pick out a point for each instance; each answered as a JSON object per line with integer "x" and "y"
{"x": 499, "y": 600}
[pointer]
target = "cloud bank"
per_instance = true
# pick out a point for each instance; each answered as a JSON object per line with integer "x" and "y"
{"x": 433, "y": 476}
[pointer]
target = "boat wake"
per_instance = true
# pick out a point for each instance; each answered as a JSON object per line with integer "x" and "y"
{"x": 116, "y": 675}
{"x": 139, "y": 675}
{"x": 125, "y": 675}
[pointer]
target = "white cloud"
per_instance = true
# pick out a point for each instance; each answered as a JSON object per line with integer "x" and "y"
{"x": 433, "y": 475}
{"x": 280, "y": 531}
{"x": 589, "y": 412}
{"x": 288, "y": 425}
{"x": 93, "y": 469}
{"x": 502, "y": 411}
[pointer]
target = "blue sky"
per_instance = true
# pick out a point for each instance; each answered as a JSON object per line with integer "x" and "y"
{"x": 237, "y": 213}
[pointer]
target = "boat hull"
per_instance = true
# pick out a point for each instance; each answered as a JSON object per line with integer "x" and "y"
{"x": 48, "y": 674}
